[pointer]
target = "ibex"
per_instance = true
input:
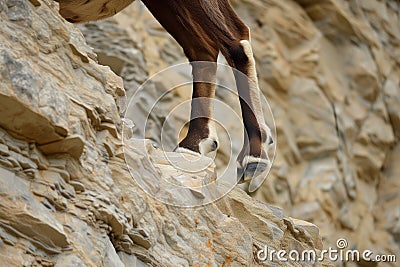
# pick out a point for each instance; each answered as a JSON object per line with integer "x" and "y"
{"x": 203, "y": 28}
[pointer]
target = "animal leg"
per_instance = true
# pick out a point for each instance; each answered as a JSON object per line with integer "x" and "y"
{"x": 202, "y": 136}
{"x": 253, "y": 161}
{"x": 202, "y": 51}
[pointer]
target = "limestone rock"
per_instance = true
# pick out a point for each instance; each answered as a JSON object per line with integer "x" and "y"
{"x": 330, "y": 71}
{"x": 22, "y": 215}
{"x": 68, "y": 198}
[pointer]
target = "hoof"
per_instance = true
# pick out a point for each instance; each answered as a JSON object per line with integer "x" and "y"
{"x": 254, "y": 170}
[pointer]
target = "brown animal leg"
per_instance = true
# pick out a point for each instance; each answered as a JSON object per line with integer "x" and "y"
{"x": 201, "y": 135}
{"x": 180, "y": 21}
{"x": 253, "y": 161}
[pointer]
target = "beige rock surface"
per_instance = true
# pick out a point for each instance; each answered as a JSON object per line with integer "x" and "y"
{"x": 330, "y": 70}
{"x": 67, "y": 196}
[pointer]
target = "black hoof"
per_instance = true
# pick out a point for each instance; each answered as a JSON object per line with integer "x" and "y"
{"x": 254, "y": 172}
{"x": 214, "y": 146}
{"x": 251, "y": 170}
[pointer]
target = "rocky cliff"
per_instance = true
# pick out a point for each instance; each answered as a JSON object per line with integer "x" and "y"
{"x": 330, "y": 70}
{"x": 68, "y": 198}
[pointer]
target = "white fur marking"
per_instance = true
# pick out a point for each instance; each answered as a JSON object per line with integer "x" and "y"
{"x": 251, "y": 159}
{"x": 252, "y": 67}
{"x": 206, "y": 145}
{"x": 253, "y": 86}
{"x": 185, "y": 150}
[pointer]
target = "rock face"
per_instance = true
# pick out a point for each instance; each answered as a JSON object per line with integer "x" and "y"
{"x": 330, "y": 71}
{"x": 67, "y": 196}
